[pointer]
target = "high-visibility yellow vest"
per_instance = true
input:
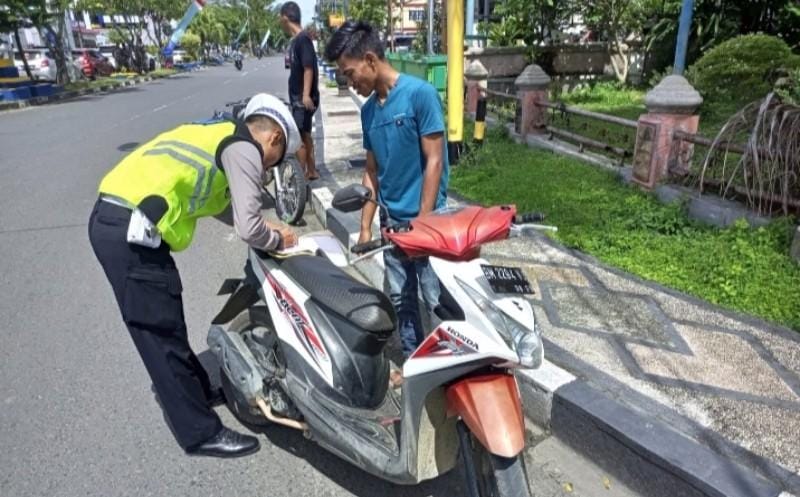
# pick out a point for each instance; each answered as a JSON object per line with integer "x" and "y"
{"x": 180, "y": 167}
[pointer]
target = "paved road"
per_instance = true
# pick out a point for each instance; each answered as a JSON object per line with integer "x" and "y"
{"x": 76, "y": 413}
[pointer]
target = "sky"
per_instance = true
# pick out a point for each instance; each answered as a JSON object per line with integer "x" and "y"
{"x": 306, "y": 9}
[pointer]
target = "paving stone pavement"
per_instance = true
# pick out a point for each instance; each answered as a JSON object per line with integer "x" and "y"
{"x": 729, "y": 381}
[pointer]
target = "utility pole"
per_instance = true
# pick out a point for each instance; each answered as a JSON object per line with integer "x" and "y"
{"x": 683, "y": 37}
{"x": 249, "y": 40}
{"x": 431, "y": 21}
{"x": 389, "y": 23}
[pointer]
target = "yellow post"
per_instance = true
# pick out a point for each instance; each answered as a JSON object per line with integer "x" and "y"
{"x": 455, "y": 77}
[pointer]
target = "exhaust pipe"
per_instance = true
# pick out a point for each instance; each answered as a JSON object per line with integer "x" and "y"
{"x": 244, "y": 372}
{"x": 237, "y": 362}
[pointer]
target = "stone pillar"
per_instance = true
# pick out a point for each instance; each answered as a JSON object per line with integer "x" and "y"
{"x": 532, "y": 86}
{"x": 671, "y": 106}
{"x": 794, "y": 250}
{"x": 477, "y": 81}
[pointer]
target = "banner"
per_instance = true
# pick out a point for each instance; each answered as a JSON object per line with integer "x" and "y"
{"x": 241, "y": 32}
{"x": 195, "y": 7}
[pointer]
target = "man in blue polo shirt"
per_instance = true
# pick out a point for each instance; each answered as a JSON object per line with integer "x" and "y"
{"x": 406, "y": 160}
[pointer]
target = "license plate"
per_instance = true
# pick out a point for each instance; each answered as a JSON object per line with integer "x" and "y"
{"x": 504, "y": 279}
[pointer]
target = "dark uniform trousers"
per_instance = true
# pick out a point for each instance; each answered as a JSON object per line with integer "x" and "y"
{"x": 148, "y": 289}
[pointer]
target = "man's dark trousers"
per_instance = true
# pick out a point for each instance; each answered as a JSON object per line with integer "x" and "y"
{"x": 148, "y": 289}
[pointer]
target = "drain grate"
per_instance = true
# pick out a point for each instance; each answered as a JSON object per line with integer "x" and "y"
{"x": 337, "y": 113}
{"x": 358, "y": 163}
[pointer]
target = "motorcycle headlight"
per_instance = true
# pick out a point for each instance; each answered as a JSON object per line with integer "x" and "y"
{"x": 525, "y": 342}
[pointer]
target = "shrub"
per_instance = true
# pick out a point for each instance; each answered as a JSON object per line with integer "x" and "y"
{"x": 789, "y": 87}
{"x": 191, "y": 43}
{"x": 742, "y": 69}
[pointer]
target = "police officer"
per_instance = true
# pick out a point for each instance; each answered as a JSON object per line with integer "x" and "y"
{"x": 148, "y": 206}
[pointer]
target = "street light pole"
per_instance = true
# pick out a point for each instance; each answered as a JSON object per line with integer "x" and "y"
{"x": 683, "y": 37}
{"x": 430, "y": 26}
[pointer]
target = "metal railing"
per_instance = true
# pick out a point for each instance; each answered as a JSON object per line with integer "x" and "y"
{"x": 572, "y": 124}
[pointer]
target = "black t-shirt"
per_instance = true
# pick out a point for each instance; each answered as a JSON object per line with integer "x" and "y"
{"x": 301, "y": 55}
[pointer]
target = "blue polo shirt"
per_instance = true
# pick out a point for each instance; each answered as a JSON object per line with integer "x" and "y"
{"x": 392, "y": 132}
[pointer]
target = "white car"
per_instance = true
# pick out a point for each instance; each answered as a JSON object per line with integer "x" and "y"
{"x": 179, "y": 56}
{"x": 41, "y": 63}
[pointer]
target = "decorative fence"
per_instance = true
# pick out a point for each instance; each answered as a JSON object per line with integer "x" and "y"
{"x": 763, "y": 175}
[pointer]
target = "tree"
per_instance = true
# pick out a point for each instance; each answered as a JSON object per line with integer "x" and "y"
{"x": 371, "y": 11}
{"x": 191, "y": 43}
{"x": 616, "y": 20}
{"x": 715, "y": 21}
{"x": 534, "y": 22}
{"x": 209, "y": 28}
{"x": 39, "y": 14}
{"x": 420, "y": 44}
{"x": 13, "y": 17}
{"x": 158, "y": 11}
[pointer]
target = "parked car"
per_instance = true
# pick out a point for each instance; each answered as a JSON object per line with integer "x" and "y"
{"x": 107, "y": 51}
{"x": 179, "y": 56}
{"x": 41, "y": 62}
{"x": 402, "y": 43}
{"x": 92, "y": 63}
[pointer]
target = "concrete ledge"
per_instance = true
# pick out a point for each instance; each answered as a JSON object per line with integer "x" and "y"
{"x": 66, "y": 95}
{"x": 646, "y": 454}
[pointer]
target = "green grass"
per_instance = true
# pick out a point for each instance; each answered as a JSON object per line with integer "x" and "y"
{"x": 740, "y": 268}
{"x": 162, "y": 73}
{"x": 621, "y": 101}
{"x": 116, "y": 79}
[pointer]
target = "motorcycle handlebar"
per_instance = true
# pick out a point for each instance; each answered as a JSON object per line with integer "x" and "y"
{"x": 363, "y": 248}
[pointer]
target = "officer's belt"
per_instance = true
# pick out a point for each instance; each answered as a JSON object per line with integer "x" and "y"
{"x": 118, "y": 201}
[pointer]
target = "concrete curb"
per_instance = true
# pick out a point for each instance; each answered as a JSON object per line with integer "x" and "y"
{"x": 67, "y": 95}
{"x": 646, "y": 454}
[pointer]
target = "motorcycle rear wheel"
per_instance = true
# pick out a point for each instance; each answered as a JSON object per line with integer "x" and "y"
{"x": 290, "y": 200}
{"x": 490, "y": 475}
{"x": 247, "y": 321}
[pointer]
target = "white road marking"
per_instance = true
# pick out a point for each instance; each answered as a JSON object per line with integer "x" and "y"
{"x": 161, "y": 107}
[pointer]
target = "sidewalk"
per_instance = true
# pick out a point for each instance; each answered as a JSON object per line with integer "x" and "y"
{"x": 672, "y": 395}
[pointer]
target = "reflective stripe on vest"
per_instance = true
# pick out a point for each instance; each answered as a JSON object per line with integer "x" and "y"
{"x": 201, "y": 170}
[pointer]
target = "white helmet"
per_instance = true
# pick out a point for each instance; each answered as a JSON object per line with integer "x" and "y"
{"x": 268, "y": 105}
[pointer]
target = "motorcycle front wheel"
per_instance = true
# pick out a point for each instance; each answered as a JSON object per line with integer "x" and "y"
{"x": 291, "y": 191}
{"x": 490, "y": 475}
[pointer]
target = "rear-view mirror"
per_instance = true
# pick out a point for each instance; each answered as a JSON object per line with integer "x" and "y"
{"x": 351, "y": 198}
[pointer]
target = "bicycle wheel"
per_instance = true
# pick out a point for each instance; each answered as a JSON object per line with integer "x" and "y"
{"x": 291, "y": 191}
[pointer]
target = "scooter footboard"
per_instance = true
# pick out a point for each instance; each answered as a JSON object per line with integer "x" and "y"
{"x": 490, "y": 406}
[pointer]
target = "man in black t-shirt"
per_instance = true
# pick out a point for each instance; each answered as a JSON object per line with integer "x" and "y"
{"x": 303, "y": 81}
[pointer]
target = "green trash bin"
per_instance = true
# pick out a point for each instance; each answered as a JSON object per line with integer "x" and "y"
{"x": 431, "y": 68}
{"x": 397, "y": 60}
